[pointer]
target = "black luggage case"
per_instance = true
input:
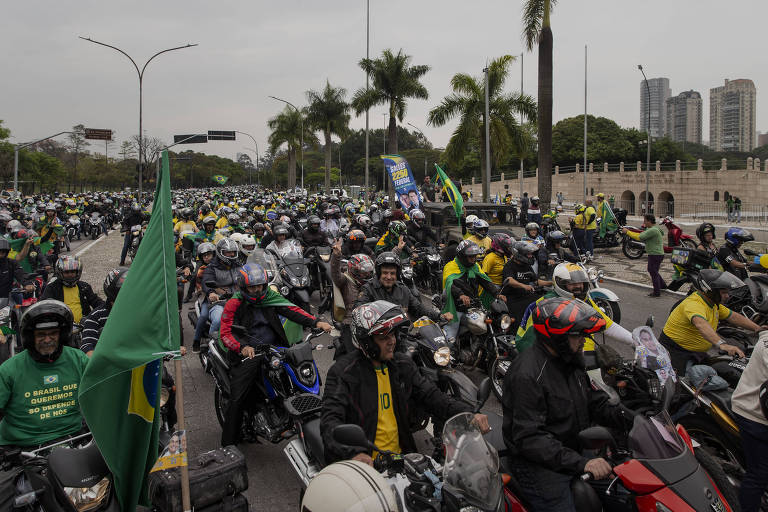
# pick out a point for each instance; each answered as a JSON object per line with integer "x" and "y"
{"x": 213, "y": 475}
{"x": 236, "y": 503}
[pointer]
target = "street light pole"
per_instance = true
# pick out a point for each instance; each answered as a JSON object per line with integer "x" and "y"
{"x": 140, "y": 73}
{"x": 425, "y": 147}
{"x": 301, "y": 127}
{"x": 648, "y": 158}
{"x": 257, "y": 153}
{"x": 487, "y": 177}
{"x": 16, "y": 149}
{"x": 367, "y": 48}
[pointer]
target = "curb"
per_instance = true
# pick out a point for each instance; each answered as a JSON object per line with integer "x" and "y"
{"x": 639, "y": 285}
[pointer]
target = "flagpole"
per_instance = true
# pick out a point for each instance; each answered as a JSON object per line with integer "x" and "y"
{"x": 585, "y": 125}
{"x": 185, "y": 499}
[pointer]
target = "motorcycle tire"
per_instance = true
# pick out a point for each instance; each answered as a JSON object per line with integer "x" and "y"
{"x": 497, "y": 370}
{"x": 220, "y": 404}
{"x": 611, "y": 309}
{"x": 718, "y": 476}
{"x": 688, "y": 244}
{"x": 632, "y": 252}
{"x": 94, "y": 234}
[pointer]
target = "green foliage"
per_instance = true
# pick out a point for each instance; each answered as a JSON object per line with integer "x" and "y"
{"x": 4, "y": 132}
{"x": 328, "y": 112}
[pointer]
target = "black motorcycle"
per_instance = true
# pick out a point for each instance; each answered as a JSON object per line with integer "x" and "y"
{"x": 320, "y": 275}
{"x": 428, "y": 269}
{"x": 291, "y": 273}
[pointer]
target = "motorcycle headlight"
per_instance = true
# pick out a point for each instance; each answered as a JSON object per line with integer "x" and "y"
{"x": 325, "y": 257}
{"x": 442, "y": 356}
{"x": 408, "y": 272}
{"x": 592, "y": 273}
{"x": 4, "y": 313}
{"x": 505, "y": 322}
{"x": 165, "y": 394}
{"x": 88, "y": 498}
{"x": 306, "y": 374}
{"x": 433, "y": 257}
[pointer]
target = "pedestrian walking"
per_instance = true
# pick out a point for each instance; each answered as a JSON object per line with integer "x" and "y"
{"x": 524, "y": 202}
{"x": 653, "y": 238}
{"x": 729, "y": 208}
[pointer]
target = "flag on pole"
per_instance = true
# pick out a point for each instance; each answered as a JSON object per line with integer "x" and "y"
{"x": 608, "y": 219}
{"x": 29, "y": 263}
{"x": 119, "y": 392}
{"x": 450, "y": 190}
{"x": 220, "y": 179}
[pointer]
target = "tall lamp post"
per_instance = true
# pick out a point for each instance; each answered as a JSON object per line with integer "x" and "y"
{"x": 257, "y": 162}
{"x": 648, "y": 158}
{"x": 257, "y": 152}
{"x": 301, "y": 122}
{"x": 141, "y": 81}
{"x": 425, "y": 147}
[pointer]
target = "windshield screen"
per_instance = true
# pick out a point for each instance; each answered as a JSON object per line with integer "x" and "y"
{"x": 655, "y": 437}
{"x": 471, "y": 464}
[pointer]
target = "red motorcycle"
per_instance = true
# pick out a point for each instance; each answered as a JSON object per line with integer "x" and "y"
{"x": 633, "y": 249}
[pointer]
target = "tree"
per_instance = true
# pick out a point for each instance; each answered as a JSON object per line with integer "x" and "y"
{"x": 127, "y": 150}
{"x": 286, "y": 129}
{"x": 328, "y": 112}
{"x": 393, "y": 82}
{"x": 4, "y": 132}
{"x": 537, "y": 30}
{"x": 468, "y": 103}
{"x": 150, "y": 150}
{"x": 77, "y": 142}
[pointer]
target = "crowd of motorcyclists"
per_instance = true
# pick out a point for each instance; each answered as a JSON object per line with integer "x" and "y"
{"x": 233, "y": 250}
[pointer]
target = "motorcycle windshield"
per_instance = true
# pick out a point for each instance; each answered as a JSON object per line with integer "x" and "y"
{"x": 290, "y": 249}
{"x": 471, "y": 464}
{"x": 655, "y": 437}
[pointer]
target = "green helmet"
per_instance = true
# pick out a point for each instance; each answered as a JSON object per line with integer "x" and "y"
{"x": 397, "y": 227}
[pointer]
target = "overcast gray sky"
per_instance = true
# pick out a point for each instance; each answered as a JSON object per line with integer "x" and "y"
{"x": 51, "y": 80}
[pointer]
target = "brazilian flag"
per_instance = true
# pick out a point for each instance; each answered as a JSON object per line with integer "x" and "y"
{"x": 220, "y": 179}
{"x": 450, "y": 190}
{"x": 120, "y": 389}
{"x": 608, "y": 219}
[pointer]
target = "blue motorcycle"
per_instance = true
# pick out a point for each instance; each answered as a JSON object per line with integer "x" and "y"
{"x": 288, "y": 384}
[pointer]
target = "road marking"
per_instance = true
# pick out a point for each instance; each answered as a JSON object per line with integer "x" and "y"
{"x": 649, "y": 287}
{"x": 93, "y": 242}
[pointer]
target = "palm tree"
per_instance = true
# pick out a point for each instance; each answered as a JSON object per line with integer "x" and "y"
{"x": 328, "y": 111}
{"x": 393, "y": 82}
{"x": 286, "y": 129}
{"x": 468, "y": 102}
{"x": 537, "y": 30}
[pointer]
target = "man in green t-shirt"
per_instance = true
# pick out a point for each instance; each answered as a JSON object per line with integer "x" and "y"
{"x": 653, "y": 238}
{"x": 39, "y": 386}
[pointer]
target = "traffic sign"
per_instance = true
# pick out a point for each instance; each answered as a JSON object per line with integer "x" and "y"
{"x": 190, "y": 139}
{"x": 98, "y": 134}
{"x": 221, "y": 135}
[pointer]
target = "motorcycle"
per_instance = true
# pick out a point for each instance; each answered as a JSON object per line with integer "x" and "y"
{"x": 427, "y": 269}
{"x": 137, "y": 233}
{"x": 62, "y": 476}
{"x": 289, "y": 386}
{"x": 73, "y": 228}
{"x": 94, "y": 225}
{"x": 291, "y": 273}
{"x": 320, "y": 272}
{"x": 633, "y": 249}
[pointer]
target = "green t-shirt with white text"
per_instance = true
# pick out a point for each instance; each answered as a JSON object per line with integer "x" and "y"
{"x": 39, "y": 400}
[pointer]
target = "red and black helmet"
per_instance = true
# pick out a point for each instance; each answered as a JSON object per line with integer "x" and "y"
{"x": 360, "y": 268}
{"x": 501, "y": 243}
{"x": 252, "y": 275}
{"x": 559, "y": 317}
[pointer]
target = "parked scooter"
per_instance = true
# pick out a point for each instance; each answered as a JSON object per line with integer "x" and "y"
{"x": 633, "y": 249}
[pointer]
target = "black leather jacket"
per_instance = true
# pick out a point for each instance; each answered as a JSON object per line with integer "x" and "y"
{"x": 224, "y": 276}
{"x": 400, "y": 294}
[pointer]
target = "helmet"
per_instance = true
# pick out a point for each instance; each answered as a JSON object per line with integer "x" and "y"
{"x": 703, "y": 229}
{"x": 258, "y": 226}
{"x": 556, "y": 318}
{"x": 186, "y": 213}
{"x": 524, "y": 252}
{"x": 397, "y": 227}
{"x": 569, "y": 273}
{"x": 46, "y": 314}
{"x": 252, "y": 275}
{"x": 600, "y": 194}
{"x": 481, "y": 228}
{"x": 418, "y": 217}
{"x": 364, "y": 221}
{"x": 247, "y": 244}
{"x": 233, "y": 218}
{"x": 470, "y": 220}
{"x": 502, "y": 243}
{"x": 227, "y": 245}
{"x": 209, "y": 220}
{"x": 280, "y": 229}
{"x": 237, "y": 237}
{"x": 710, "y": 281}
{"x": 387, "y": 258}
{"x": 113, "y": 282}
{"x": 349, "y": 485}
{"x": 360, "y": 267}
{"x": 314, "y": 223}
{"x": 554, "y": 237}
{"x": 579, "y": 208}
{"x": 356, "y": 235}
{"x": 50, "y": 207}
{"x": 205, "y": 248}
{"x": 379, "y": 317}
{"x": 465, "y": 250}
{"x": 373, "y": 208}
{"x": 737, "y": 236}
{"x": 530, "y": 226}
{"x": 135, "y": 207}
{"x": 386, "y": 214}
{"x": 67, "y": 263}
{"x": 535, "y": 199}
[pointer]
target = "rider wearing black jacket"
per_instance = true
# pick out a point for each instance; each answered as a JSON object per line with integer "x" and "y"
{"x": 419, "y": 231}
{"x": 548, "y": 400}
{"x": 312, "y": 235}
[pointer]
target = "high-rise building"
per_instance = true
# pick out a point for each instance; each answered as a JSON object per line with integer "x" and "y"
{"x": 660, "y": 92}
{"x": 762, "y": 139}
{"x": 732, "y": 116}
{"x": 684, "y": 117}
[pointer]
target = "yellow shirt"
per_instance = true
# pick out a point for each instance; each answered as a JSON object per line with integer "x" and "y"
{"x": 484, "y": 243}
{"x": 72, "y": 299}
{"x": 493, "y": 266}
{"x": 387, "y": 437}
{"x": 680, "y": 328}
{"x": 222, "y": 222}
{"x": 185, "y": 226}
{"x": 590, "y": 212}
{"x": 579, "y": 222}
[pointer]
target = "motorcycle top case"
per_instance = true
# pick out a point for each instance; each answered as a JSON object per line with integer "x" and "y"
{"x": 213, "y": 476}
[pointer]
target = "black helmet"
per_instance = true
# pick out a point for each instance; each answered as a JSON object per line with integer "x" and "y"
{"x": 252, "y": 275}
{"x": 280, "y": 229}
{"x": 556, "y": 318}
{"x": 710, "y": 281}
{"x": 258, "y": 226}
{"x": 524, "y": 252}
{"x": 46, "y": 314}
{"x": 379, "y": 317}
{"x": 113, "y": 282}
{"x": 227, "y": 245}
{"x": 465, "y": 250}
{"x": 703, "y": 229}
{"x": 387, "y": 258}
{"x": 314, "y": 223}
{"x": 205, "y": 248}
{"x": 555, "y": 237}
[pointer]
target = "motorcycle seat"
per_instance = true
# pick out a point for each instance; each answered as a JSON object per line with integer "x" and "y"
{"x": 722, "y": 399}
{"x": 314, "y": 440}
{"x": 757, "y": 287}
{"x": 78, "y": 467}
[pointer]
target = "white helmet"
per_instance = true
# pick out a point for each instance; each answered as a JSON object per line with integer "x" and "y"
{"x": 247, "y": 244}
{"x": 567, "y": 273}
{"x": 349, "y": 485}
{"x": 237, "y": 237}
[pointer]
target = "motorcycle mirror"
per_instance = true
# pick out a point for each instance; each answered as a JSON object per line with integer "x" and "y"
{"x": 649, "y": 321}
{"x": 483, "y": 392}
{"x": 352, "y": 435}
{"x": 596, "y": 438}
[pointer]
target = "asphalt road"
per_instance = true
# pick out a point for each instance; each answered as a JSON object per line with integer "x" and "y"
{"x": 272, "y": 483}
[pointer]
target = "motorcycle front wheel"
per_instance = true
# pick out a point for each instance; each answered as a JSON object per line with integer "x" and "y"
{"x": 220, "y": 404}
{"x": 688, "y": 244}
{"x": 726, "y": 484}
{"x": 632, "y": 251}
{"x": 497, "y": 370}
{"x": 611, "y": 309}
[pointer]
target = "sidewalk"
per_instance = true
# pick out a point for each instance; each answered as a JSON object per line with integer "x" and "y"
{"x": 616, "y": 265}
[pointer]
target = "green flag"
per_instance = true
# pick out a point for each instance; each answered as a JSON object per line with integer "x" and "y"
{"x": 27, "y": 264}
{"x": 119, "y": 392}
{"x": 450, "y": 190}
{"x": 608, "y": 219}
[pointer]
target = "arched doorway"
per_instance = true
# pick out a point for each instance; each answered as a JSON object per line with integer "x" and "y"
{"x": 627, "y": 201}
{"x": 726, "y": 196}
{"x": 643, "y": 205}
{"x": 717, "y": 195}
{"x": 665, "y": 205}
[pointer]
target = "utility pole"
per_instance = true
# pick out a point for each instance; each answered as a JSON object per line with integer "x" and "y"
{"x": 367, "y": 49}
{"x": 648, "y": 157}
